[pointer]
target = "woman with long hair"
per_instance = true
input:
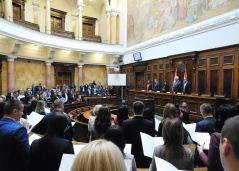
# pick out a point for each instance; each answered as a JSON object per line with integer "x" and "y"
{"x": 102, "y": 123}
{"x": 40, "y": 108}
{"x": 100, "y": 155}
{"x": 123, "y": 114}
{"x": 46, "y": 153}
{"x": 173, "y": 150}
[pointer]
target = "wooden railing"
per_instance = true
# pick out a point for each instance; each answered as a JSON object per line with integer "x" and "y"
{"x": 27, "y": 24}
{"x": 92, "y": 38}
{"x": 65, "y": 34}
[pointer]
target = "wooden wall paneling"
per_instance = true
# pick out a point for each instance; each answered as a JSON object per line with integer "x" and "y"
{"x": 214, "y": 81}
{"x": 19, "y": 9}
{"x": 228, "y": 82}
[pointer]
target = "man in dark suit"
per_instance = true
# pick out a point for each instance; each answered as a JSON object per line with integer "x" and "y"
{"x": 38, "y": 89}
{"x": 187, "y": 87}
{"x": 82, "y": 88}
{"x": 156, "y": 85}
{"x": 88, "y": 92}
{"x": 132, "y": 128}
{"x": 208, "y": 124}
{"x": 184, "y": 113}
{"x": 177, "y": 85}
{"x": 165, "y": 86}
{"x": 14, "y": 143}
{"x": 41, "y": 128}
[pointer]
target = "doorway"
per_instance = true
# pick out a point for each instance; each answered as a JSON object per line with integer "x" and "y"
{"x": 140, "y": 80}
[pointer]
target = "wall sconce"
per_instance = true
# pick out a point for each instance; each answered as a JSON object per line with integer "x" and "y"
{"x": 35, "y": 47}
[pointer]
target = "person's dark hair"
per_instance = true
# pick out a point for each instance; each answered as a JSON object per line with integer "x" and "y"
{"x": 28, "y": 98}
{"x": 32, "y": 107}
{"x": 56, "y": 129}
{"x": 123, "y": 114}
{"x": 207, "y": 108}
{"x": 230, "y": 131}
{"x": 116, "y": 135}
{"x": 138, "y": 107}
{"x": 169, "y": 111}
{"x": 9, "y": 96}
{"x": 11, "y": 105}
{"x": 58, "y": 103}
{"x": 222, "y": 114}
{"x": 103, "y": 120}
{"x": 173, "y": 139}
{"x": 148, "y": 114}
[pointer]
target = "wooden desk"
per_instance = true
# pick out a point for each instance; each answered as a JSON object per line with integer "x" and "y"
{"x": 72, "y": 106}
{"x": 161, "y": 99}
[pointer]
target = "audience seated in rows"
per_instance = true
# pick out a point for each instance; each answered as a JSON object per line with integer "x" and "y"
{"x": 122, "y": 114}
{"x": 100, "y": 155}
{"x": 46, "y": 152}
{"x": 212, "y": 161}
{"x": 173, "y": 150}
{"x": 102, "y": 123}
{"x": 132, "y": 128}
{"x": 14, "y": 143}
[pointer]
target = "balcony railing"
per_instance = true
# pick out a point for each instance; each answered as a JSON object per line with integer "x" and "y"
{"x": 65, "y": 34}
{"x": 92, "y": 38}
{"x": 27, "y": 24}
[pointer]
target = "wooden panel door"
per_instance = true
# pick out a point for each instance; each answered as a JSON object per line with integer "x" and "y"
{"x": 56, "y": 23}
{"x": 63, "y": 78}
{"x": 16, "y": 11}
{"x": 139, "y": 80}
{"x": 88, "y": 29}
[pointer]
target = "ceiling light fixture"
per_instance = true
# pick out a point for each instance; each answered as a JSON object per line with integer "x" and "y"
{"x": 67, "y": 52}
{"x": 35, "y": 47}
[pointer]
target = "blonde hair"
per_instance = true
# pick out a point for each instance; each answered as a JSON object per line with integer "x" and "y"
{"x": 96, "y": 109}
{"x": 100, "y": 155}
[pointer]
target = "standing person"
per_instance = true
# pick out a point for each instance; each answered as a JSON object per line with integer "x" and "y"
{"x": 14, "y": 144}
{"x": 33, "y": 92}
{"x": 184, "y": 113}
{"x": 177, "y": 85}
{"x": 82, "y": 88}
{"x": 156, "y": 85}
{"x": 165, "y": 86}
{"x": 111, "y": 90}
{"x": 173, "y": 150}
{"x": 73, "y": 86}
{"x": 122, "y": 114}
{"x": 46, "y": 152}
{"x": 132, "y": 128}
{"x": 208, "y": 123}
{"x": 93, "y": 84}
{"x": 88, "y": 92}
{"x": 149, "y": 85}
{"x": 91, "y": 122}
{"x": 229, "y": 151}
{"x": 38, "y": 89}
{"x": 187, "y": 87}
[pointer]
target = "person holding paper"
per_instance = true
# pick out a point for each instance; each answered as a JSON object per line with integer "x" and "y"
{"x": 14, "y": 143}
{"x": 46, "y": 152}
{"x": 132, "y": 128}
{"x": 212, "y": 161}
{"x": 99, "y": 155}
{"x": 229, "y": 151}
{"x": 173, "y": 150}
{"x": 208, "y": 124}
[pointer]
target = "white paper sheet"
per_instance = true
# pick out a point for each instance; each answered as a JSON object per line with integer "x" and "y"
{"x": 78, "y": 148}
{"x": 34, "y": 118}
{"x": 192, "y": 126}
{"x": 47, "y": 110}
{"x": 157, "y": 122}
{"x": 128, "y": 164}
{"x": 164, "y": 165}
{"x": 127, "y": 148}
{"x": 73, "y": 123}
{"x": 67, "y": 162}
{"x": 149, "y": 143}
{"x": 33, "y": 137}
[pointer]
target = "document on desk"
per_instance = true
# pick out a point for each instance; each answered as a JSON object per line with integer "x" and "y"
{"x": 198, "y": 137}
{"x": 149, "y": 143}
{"x": 164, "y": 165}
{"x": 157, "y": 122}
{"x": 78, "y": 148}
{"x": 33, "y": 137}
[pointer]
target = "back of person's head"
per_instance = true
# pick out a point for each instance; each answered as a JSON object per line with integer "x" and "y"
{"x": 229, "y": 146}
{"x": 138, "y": 107}
{"x": 222, "y": 114}
{"x": 123, "y": 114}
{"x": 40, "y": 106}
{"x": 206, "y": 108}
{"x": 58, "y": 103}
{"x": 96, "y": 109}
{"x": 173, "y": 137}
{"x": 148, "y": 114}
{"x": 169, "y": 111}
{"x": 116, "y": 135}
{"x": 12, "y": 105}
{"x": 99, "y": 155}
{"x": 103, "y": 120}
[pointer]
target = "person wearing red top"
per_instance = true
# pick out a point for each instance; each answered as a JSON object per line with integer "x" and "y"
{"x": 149, "y": 85}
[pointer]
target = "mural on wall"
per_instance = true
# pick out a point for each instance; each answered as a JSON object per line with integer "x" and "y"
{"x": 148, "y": 19}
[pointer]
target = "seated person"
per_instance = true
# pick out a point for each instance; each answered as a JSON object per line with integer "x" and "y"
{"x": 115, "y": 134}
{"x": 212, "y": 161}
{"x": 208, "y": 124}
{"x": 46, "y": 152}
{"x": 229, "y": 151}
{"x": 99, "y": 155}
{"x": 122, "y": 114}
{"x": 173, "y": 150}
{"x": 40, "y": 108}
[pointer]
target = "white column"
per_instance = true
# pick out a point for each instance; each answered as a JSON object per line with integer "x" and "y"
{"x": 8, "y": 10}
{"x": 48, "y": 16}
{"x": 74, "y": 19}
{"x": 108, "y": 27}
{"x": 36, "y": 10}
{"x": 80, "y": 28}
{"x": 118, "y": 29}
{"x": 97, "y": 27}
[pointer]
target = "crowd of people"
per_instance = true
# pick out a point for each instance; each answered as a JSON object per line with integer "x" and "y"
{"x": 105, "y": 150}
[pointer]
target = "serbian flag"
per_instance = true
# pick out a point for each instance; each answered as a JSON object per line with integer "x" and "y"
{"x": 176, "y": 74}
{"x": 185, "y": 73}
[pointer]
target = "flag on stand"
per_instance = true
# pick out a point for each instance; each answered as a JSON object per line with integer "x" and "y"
{"x": 176, "y": 74}
{"x": 185, "y": 73}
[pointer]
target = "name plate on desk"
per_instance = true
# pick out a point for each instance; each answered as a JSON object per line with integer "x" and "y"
{"x": 179, "y": 93}
{"x": 158, "y": 91}
{"x": 168, "y": 92}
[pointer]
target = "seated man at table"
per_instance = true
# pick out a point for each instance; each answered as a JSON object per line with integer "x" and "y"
{"x": 229, "y": 149}
{"x": 132, "y": 128}
{"x": 41, "y": 128}
{"x": 208, "y": 123}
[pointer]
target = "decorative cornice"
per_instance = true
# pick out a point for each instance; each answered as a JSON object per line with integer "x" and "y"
{"x": 11, "y": 58}
{"x": 73, "y": 17}
{"x": 81, "y": 7}
{"x": 48, "y": 0}
{"x": 49, "y": 62}
{"x": 17, "y": 46}
{"x": 82, "y": 58}
{"x": 216, "y": 22}
{"x": 35, "y": 6}
{"x": 112, "y": 12}
{"x": 52, "y": 53}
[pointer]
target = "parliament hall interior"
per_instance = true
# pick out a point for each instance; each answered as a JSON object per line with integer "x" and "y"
{"x": 119, "y": 85}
